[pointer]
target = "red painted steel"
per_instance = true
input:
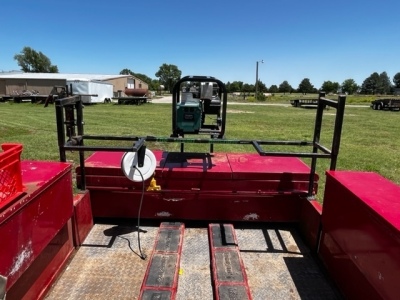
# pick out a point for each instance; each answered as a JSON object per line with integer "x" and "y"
{"x": 82, "y": 220}
{"x": 30, "y": 223}
{"x": 253, "y": 166}
{"x": 205, "y": 184}
{"x": 360, "y": 244}
{"x": 39, "y": 277}
{"x": 196, "y": 206}
{"x": 192, "y": 184}
{"x": 108, "y": 163}
{"x": 199, "y": 166}
{"x": 310, "y": 220}
{"x": 232, "y": 186}
{"x": 222, "y": 166}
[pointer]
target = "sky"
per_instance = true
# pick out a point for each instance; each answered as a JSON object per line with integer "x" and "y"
{"x": 320, "y": 40}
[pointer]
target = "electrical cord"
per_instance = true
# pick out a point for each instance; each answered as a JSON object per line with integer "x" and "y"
{"x": 142, "y": 256}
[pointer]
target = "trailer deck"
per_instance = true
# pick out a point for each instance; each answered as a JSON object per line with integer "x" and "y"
{"x": 24, "y": 98}
{"x": 131, "y": 100}
{"x": 277, "y": 263}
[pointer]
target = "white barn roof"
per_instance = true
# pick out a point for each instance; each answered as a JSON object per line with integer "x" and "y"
{"x": 60, "y": 76}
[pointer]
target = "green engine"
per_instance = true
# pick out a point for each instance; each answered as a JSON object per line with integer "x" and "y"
{"x": 189, "y": 115}
{"x": 198, "y": 107}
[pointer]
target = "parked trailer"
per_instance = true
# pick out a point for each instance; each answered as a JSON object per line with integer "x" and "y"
{"x": 304, "y": 102}
{"x": 94, "y": 91}
{"x": 24, "y": 97}
{"x": 133, "y": 96}
{"x": 387, "y": 104}
{"x": 131, "y": 100}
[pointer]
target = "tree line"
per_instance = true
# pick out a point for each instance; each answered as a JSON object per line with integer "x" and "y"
{"x": 36, "y": 62}
{"x": 372, "y": 85}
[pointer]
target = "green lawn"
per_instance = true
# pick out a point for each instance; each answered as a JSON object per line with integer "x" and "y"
{"x": 285, "y": 98}
{"x": 369, "y": 142}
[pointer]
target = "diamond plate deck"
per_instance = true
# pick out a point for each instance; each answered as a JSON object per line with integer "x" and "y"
{"x": 279, "y": 266}
{"x": 107, "y": 265}
{"x": 277, "y": 263}
{"x": 195, "y": 274}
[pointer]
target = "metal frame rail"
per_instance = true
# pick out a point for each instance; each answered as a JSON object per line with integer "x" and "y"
{"x": 71, "y": 137}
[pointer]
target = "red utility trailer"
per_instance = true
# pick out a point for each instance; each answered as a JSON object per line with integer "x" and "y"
{"x": 203, "y": 226}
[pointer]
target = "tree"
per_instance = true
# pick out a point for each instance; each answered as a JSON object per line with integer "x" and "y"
{"x": 168, "y": 75}
{"x": 228, "y": 87}
{"x": 330, "y": 87}
{"x": 248, "y": 88}
{"x": 155, "y": 85}
{"x": 396, "y": 80}
{"x": 384, "y": 86}
{"x": 349, "y": 86}
{"x": 261, "y": 87}
{"x": 126, "y": 72}
{"x": 236, "y": 86}
{"x": 273, "y": 89}
{"x": 377, "y": 84}
{"x": 285, "y": 87}
{"x": 371, "y": 84}
{"x": 305, "y": 86}
{"x": 32, "y": 61}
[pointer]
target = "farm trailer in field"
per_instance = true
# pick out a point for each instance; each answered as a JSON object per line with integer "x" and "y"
{"x": 387, "y": 104}
{"x": 304, "y": 102}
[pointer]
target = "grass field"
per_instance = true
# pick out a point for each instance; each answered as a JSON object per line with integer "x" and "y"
{"x": 370, "y": 139}
{"x": 285, "y": 98}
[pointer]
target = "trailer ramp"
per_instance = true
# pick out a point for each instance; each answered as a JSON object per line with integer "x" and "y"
{"x": 220, "y": 261}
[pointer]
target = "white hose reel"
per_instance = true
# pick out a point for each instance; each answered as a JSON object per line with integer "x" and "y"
{"x": 130, "y": 166}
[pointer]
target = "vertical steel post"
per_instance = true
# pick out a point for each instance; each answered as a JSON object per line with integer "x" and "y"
{"x": 317, "y": 134}
{"x": 337, "y": 131}
{"x": 60, "y": 130}
{"x": 222, "y": 89}
{"x": 79, "y": 124}
{"x": 175, "y": 100}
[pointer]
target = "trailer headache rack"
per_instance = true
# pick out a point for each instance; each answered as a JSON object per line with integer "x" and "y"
{"x": 71, "y": 137}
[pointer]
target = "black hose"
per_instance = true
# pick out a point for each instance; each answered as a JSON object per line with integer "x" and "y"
{"x": 142, "y": 256}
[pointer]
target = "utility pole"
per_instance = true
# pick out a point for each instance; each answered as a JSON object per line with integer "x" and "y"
{"x": 261, "y": 61}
